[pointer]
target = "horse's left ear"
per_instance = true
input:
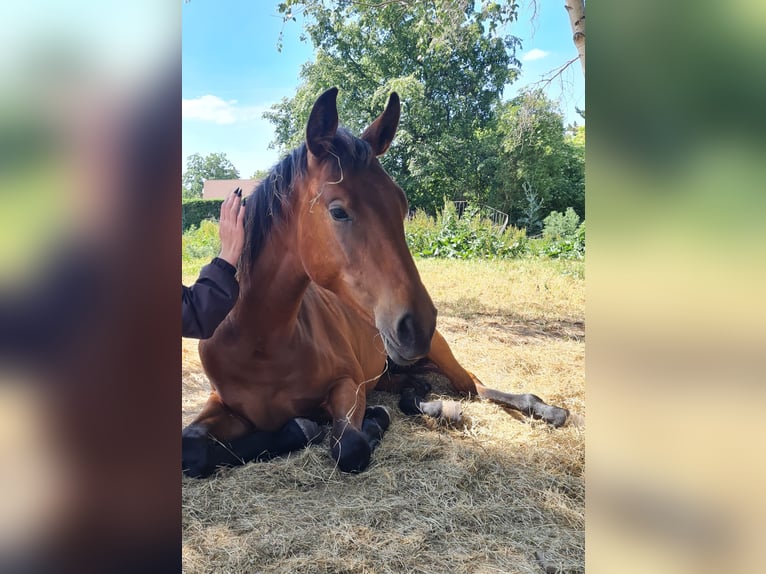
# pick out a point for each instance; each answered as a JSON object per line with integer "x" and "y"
{"x": 381, "y": 132}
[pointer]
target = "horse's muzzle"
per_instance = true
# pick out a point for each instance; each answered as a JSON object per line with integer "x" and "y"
{"x": 410, "y": 340}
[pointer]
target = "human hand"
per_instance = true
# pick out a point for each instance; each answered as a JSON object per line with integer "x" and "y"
{"x": 231, "y": 227}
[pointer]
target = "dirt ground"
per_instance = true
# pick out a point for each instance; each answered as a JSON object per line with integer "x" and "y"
{"x": 484, "y": 497}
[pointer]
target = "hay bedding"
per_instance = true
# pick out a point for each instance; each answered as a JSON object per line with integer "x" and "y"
{"x": 480, "y": 498}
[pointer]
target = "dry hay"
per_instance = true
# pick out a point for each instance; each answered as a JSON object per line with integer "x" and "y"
{"x": 481, "y": 498}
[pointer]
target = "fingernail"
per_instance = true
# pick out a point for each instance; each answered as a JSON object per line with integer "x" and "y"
{"x": 244, "y": 200}
{"x": 238, "y": 191}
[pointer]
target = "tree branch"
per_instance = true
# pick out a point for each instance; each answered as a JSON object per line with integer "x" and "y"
{"x": 545, "y": 82}
{"x": 384, "y": 3}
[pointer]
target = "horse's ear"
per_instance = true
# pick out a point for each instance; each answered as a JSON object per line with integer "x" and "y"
{"x": 381, "y": 132}
{"x": 323, "y": 123}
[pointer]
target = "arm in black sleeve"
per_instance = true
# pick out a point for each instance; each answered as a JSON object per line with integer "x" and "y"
{"x": 209, "y": 300}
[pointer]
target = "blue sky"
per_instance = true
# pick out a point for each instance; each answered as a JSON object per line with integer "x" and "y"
{"x": 232, "y": 73}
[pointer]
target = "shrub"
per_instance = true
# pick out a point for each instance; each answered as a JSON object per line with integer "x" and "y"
{"x": 466, "y": 237}
{"x": 563, "y": 235}
{"x": 561, "y": 225}
{"x": 420, "y": 231}
{"x": 196, "y": 210}
{"x": 201, "y": 242}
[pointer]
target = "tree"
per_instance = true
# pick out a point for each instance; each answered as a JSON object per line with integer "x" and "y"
{"x": 449, "y": 73}
{"x": 536, "y": 151}
{"x": 260, "y": 174}
{"x": 199, "y": 169}
{"x": 576, "y": 11}
{"x": 448, "y": 15}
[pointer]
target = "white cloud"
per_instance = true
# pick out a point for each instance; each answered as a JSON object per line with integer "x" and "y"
{"x": 534, "y": 54}
{"x": 210, "y": 109}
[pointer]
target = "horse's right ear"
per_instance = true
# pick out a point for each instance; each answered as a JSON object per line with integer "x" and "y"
{"x": 381, "y": 132}
{"x": 323, "y": 123}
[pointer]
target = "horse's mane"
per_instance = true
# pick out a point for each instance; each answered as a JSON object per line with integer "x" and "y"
{"x": 271, "y": 198}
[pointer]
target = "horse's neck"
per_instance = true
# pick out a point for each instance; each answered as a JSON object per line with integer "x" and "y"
{"x": 271, "y": 295}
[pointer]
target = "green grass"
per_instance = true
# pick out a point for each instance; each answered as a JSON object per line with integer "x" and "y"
{"x": 198, "y": 246}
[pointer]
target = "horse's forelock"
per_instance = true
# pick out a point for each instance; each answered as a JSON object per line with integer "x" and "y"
{"x": 353, "y": 151}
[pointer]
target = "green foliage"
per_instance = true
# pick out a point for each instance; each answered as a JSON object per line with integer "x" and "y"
{"x": 561, "y": 225}
{"x": 199, "y": 169}
{"x": 448, "y": 68}
{"x": 449, "y": 61}
{"x": 194, "y": 211}
{"x": 420, "y": 231}
{"x": 446, "y": 16}
{"x": 467, "y": 237}
{"x": 530, "y": 214}
{"x": 537, "y": 150}
{"x": 200, "y": 242}
{"x": 564, "y": 235}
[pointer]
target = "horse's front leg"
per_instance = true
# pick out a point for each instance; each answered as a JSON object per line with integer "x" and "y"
{"x": 356, "y": 429}
{"x": 467, "y": 383}
{"x": 219, "y": 438}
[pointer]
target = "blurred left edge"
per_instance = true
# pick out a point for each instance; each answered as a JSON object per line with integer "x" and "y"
{"x": 90, "y": 223}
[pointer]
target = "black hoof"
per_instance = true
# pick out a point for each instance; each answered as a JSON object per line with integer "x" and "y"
{"x": 555, "y": 416}
{"x": 409, "y": 403}
{"x": 380, "y": 415}
{"x": 195, "y": 452}
{"x": 376, "y": 422}
{"x": 352, "y": 451}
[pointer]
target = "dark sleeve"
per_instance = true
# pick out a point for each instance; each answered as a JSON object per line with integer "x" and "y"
{"x": 209, "y": 300}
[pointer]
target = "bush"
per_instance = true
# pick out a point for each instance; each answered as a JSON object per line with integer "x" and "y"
{"x": 201, "y": 242}
{"x": 559, "y": 226}
{"x": 563, "y": 235}
{"x": 195, "y": 211}
{"x": 467, "y": 237}
{"x": 420, "y": 231}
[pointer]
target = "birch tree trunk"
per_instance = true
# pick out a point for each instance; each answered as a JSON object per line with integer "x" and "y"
{"x": 576, "y": 11}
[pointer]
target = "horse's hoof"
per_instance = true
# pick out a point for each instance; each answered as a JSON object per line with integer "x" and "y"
{"x": 195, "y": 455}
{"x": 352, "y": 451}
{"x": 380, "y": 415}
{"x": 409, "y": 402}
{"x": 556, "y": 416}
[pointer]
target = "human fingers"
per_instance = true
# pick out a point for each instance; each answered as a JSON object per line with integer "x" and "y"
{"x": 236, "y": 201}
{"x": 241, "y": 216}
{"x": 225, "y": 207}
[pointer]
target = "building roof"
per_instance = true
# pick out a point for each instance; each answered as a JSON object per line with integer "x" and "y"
{"x": 220, "y": 188}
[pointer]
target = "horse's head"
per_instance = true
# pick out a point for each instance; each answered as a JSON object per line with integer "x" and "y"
{"x": 351, "y": 229}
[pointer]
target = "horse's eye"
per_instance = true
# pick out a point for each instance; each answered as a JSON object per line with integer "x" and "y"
{"x": 339, "y": 214}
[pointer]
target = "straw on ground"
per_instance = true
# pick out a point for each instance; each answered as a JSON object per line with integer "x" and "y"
{"x": 480, "y": 498}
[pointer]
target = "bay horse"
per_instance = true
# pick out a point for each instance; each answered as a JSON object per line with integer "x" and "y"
{"x": 328, "y": 293}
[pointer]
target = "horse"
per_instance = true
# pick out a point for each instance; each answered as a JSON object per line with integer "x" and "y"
{"x": 329, "y": 297}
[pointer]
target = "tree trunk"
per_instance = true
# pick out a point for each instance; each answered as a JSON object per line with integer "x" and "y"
{"x": 576, "y": 11}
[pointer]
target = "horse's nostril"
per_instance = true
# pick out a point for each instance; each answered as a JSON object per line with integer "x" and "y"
{"x": 405, "y": 330}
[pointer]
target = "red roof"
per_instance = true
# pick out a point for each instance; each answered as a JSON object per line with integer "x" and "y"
{"x": 220, "y": 188}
